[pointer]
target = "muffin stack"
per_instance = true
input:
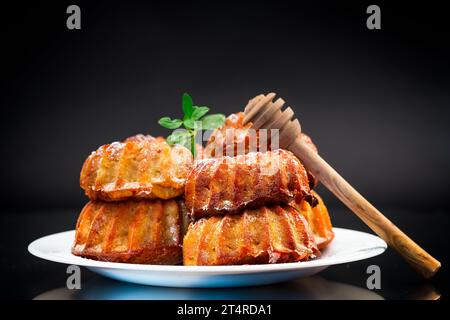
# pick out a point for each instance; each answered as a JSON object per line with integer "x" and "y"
{"x": 150, "y": 203}
{"x": 135, "y": 213}
{"x": 241, "y": 209}
{"x": 235, "y": 138}
{"x": 256, "y": 207}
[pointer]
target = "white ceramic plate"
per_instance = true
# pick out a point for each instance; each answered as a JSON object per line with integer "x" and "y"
{"x": 348, "y": 246}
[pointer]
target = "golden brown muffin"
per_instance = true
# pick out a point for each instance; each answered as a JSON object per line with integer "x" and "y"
{"x": 274, "y": 234}
{"x": 232, "y": 134}
{"x": 234, "y": 138}
{"x": 141, "y": 167}
{"x": 227, "y": 185}
{"x": 147, "y": 232}
{"x": 318, "y": 219}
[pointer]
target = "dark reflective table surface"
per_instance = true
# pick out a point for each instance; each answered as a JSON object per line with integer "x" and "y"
{"x": 28, "y": 277}
{"x": 315, "y": 287}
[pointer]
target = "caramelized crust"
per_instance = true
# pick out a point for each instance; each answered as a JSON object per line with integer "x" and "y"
{"x": 274, "y": 234}
{"x": 235, "y": 138}
{"x": 147, "y": 232}
{"x": 141, "y": 167}
{"x": 229, "y": 184}
{"x": 318, "y": 219}
{"x": 227, "y": 139}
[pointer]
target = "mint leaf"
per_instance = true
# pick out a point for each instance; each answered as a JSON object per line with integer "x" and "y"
{"x": 168, "y": 123}
{"x": 189, "y": 123}
{"x": 199, "y": 112}
{"x": 182, "y": 137}
{"x": 187, "y": 106}
{"x": 213, "y": 121}
{"x": 192, "y": 124}
{"x": 194, "y": 120}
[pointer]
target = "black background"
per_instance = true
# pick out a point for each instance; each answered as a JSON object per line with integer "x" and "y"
{"x": 376, "y": 102}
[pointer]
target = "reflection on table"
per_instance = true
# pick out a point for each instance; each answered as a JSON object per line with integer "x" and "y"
{"x": 312, "y": 288}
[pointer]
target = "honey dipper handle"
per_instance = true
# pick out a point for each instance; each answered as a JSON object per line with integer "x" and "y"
{"x": 418, "y": 258}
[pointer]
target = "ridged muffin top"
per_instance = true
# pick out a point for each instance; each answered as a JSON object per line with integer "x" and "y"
{"x": 226, "y": 185}
{"x": 140, "y": 167}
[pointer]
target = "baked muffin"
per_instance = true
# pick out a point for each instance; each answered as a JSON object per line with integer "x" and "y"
{"x": 227, "y": 185}
{"x": 235, "y": 138}
{"x": 273, "y": 234}
{"x": 146, "y": 232}
{"x": 141, "y": 167}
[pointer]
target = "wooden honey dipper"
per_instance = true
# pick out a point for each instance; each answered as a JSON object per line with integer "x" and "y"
{"x": 263, "y": 113}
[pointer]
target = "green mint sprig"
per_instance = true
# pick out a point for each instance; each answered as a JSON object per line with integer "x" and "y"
{"x": 194, "y": 119}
